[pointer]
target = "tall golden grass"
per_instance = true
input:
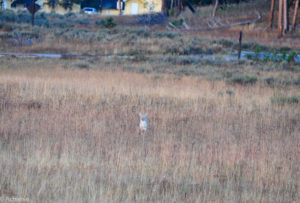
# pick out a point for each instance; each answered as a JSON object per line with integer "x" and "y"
{"x": 71, "y": 136}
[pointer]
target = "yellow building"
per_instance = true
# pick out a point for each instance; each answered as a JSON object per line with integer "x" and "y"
{"x": 107, "y": 7}
{"x": 137, "y": 7}
{"x": 131, "y": 7}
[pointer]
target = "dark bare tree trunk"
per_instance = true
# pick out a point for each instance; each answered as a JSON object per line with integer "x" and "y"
{"x": 165, "y": 8}
{"x": 295, "y": 15}
{"x": 271, "y": 14}
{"x": 280, "y": 18}
{"x": 215, "y": 8}
{"x": 285, "y": 17}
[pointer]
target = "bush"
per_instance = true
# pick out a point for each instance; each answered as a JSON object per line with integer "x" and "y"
{"x": 100, "y": 22}
{"x": 291, "y": 57}
{"x": 82, "y": 65}
{"x": 60, "y": 23}
{"x": 191, "y": 49}
{"x": 178, "y": 23}
{"x": 70, "y": 14}
{"x": 225, "y": 42}
{"x": 82, "y": 21}
{"x": 170, "y": 35}
{"x": 23, "y": 17}
{"x": 110, "y": 23}
{"x": 283, "y": 99}
{"x": 7, "y": 15}
{"x": 270, "y": 81}
{"x": 244, "y": 80}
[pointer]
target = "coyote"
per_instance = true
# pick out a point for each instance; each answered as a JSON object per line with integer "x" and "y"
{"x": 143, "y": 124}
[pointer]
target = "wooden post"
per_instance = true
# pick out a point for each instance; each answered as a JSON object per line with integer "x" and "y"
{"x": 240, "y": 45}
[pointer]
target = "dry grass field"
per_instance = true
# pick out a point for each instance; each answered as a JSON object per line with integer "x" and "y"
{"x": 70, "y": 135}
{"x": 219, "y": 131}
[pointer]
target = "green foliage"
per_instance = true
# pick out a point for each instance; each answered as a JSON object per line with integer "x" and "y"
{"x": 82, "y": 21}
{"x": 110, "y": 23}
{"x": 100, "y": 22}
{"x": 7, "y": 15}
{"x": 178, "y": 23}
{"x": 291, "y": 57}
{"x": 82, "y": 65}
{"x": 270, "y": 81}
{"x": 283, "y": 99}
{"x": 230, "y": 92}
{"x": 170, "y": 35}
{"x": 172, "y": 12}
{"x": 243, "y": 80}
{"x": 257, "y": 52}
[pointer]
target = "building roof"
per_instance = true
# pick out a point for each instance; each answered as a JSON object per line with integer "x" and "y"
{"x": 26, "y": 3}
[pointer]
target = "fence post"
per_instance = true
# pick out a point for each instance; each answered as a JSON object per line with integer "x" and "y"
{"x": 240, "y": 45}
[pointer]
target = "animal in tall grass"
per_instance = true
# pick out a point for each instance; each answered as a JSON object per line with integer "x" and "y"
{"x": 143, "y": 124}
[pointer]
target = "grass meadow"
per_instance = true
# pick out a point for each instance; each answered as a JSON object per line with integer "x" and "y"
{"x": 219, "y": 131}
{"x": 70, "y": 135}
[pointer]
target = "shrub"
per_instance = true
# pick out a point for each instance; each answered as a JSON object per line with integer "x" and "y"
{"x": 23, "y": 17}
{"x": 170, "y": 35}
{"x": 82, "y": 21}
{"x": 173, "y": 48}
{"x": 283, "y": 99}
{"x": 291, "y": 57}
{"x": 270, "y": 81}
{"x": 243, "y": 80}
{"x": 297, "y": 81}
{"x": 100, "y": 22}
{"x": 190, "y": 49}
{"x": 70, "y": 14}
{"x": 82, "y": 65}
{"x": 178, "y": 23}
{"x": 139, "y": 32}
{"x": 60, "y": 23}
{"x": 7, "y": 15}
{"x": 225, "y": 42}
{"x": 110, "y": 23}
{"x": 230, "y": 92}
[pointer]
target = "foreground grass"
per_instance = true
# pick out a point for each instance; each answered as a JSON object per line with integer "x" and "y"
{"x": 70, "y": 135}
